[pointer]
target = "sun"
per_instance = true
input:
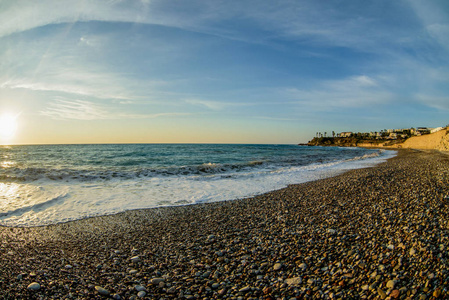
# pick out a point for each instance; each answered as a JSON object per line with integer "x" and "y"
{"x": 8, "y": 125}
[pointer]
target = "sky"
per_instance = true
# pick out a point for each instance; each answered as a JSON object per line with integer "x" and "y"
{"x": 163, "y": 71}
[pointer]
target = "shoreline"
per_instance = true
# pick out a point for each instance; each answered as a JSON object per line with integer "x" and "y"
{"x": 71, "y": 197}
{"x": 372, "y": 232}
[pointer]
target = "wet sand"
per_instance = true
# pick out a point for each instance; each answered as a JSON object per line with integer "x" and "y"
{"x": 375, "y": 233}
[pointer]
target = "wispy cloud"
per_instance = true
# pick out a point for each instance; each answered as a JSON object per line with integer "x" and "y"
{"x": 64, "y": 109}
{"x": 215, "y": 105}
{"x": 352, "y": 92}
{"x": 75, "y": 110}
{"x": 73, "y": 81}
{"x": 435, "y": 101}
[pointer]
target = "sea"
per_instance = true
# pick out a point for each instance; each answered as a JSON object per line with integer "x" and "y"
{"x": 47, "y": 184}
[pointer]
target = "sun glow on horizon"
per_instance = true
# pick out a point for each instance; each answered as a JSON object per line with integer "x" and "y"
{"x": 8, "y": 126}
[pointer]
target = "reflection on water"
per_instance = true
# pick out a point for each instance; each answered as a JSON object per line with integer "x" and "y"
{"x": 7, "y": 164}
{"x": 9, "y": 193}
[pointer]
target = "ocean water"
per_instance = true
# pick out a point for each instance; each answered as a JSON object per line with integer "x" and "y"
{"x": 56, "y": 183}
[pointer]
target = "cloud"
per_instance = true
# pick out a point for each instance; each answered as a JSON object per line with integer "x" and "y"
{"x": 83, "y": 87}
{"x": 75, "y": 110}
{"x": 217, "y": 105}
{"x": 213, "y": 105}
{"x": 438, "y": 102}
{"x": 434, "y": 18}
{"x": 64, "y": 109}
{"x": 351, "y": 92}
{"x": 252, "y": 21}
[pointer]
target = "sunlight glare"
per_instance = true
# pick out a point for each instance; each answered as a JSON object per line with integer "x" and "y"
{"x": 8, "y": 125}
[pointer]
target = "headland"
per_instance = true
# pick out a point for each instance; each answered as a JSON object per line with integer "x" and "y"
{"x": 438, "y": 140}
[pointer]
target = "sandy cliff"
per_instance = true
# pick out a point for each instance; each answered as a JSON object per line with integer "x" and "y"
{"x": 434, "y": 141}
{"x": 438, "y": 141}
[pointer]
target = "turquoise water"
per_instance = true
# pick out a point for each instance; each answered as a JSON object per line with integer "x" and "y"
{"x": 56, "y": 183}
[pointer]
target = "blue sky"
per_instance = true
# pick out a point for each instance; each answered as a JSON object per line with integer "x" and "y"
{"x": 221, "y": 71}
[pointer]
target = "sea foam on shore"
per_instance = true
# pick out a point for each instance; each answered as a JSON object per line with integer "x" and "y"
{"x": 51, "y": 184}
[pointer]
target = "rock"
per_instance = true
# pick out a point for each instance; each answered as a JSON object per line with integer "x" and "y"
{"x": 171, "y": 290}
{"x": 215, "y": 285}
{"x": 156, "y": 280}
{"x": 303, "y": 266}
{"x": 365, "y": 287}
{"x": 102, "y": 291}
{"x": 277, "y": 267}
{"x": 34, "y": 286}
{"x": 135, "y": 259}
{"x": 381, "y": 293}
{"x": 295, "y": 281}
{"x": 140, "y": 288}
{"x": 116, "y": 297}
{"x": 391, "y": 284}
{"x": 394, "y": 294}
{"x": 331, "y": 231}
{"x": 412, "y": 251}
{"x": 437, "y": 293}
{"x": 245, "y": 289}
{"x": 141, "y": 294}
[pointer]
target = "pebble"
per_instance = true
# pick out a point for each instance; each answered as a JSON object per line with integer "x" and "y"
{"x": 277, "y": 266}
{"x": 391, "y": 284}
{"x": 373, "y": 233}
{"x": 295, "y": 281}
{"x": 140, "y": 288}
{"x": 102, "y": 291}
{"x": 394, "y": 294}
{"x": 215, "y": 285}
{"x": 141, "y": 294}
{"x": 156, "y": 280}
{"x": 382, "y": 294}
{"x": 34, "y": 286}
{"x": 135, "y": 259}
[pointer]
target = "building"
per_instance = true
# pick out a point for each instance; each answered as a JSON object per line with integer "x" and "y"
{"x": 436, "y": 129}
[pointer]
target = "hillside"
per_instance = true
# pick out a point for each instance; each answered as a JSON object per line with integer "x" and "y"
{"x": 353, "y": 142}
{"x": 434, "y": 141}
{"x": 438, "y": 141}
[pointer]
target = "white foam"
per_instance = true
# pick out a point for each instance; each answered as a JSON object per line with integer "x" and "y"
{"x": 46, "y": 202}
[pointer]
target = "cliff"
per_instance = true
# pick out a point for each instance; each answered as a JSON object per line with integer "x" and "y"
{"x": 353, "y": 142}
{"x": 434, "y": 141}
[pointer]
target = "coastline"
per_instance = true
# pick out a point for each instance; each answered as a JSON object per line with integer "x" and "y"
{"x": 434, "y": 141}
{"x": 374, "y": 232}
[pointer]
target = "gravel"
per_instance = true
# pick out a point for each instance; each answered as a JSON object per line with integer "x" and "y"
{"x": 375, "y": 233}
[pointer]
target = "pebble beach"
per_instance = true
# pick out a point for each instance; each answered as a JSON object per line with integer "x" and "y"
{"x": 374, "y": 233}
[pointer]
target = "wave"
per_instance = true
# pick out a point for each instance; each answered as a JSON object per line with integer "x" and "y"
{"x": 136, "y": 170}
{"x": 86, "y": 175}
{"x": 37, "y": 207}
